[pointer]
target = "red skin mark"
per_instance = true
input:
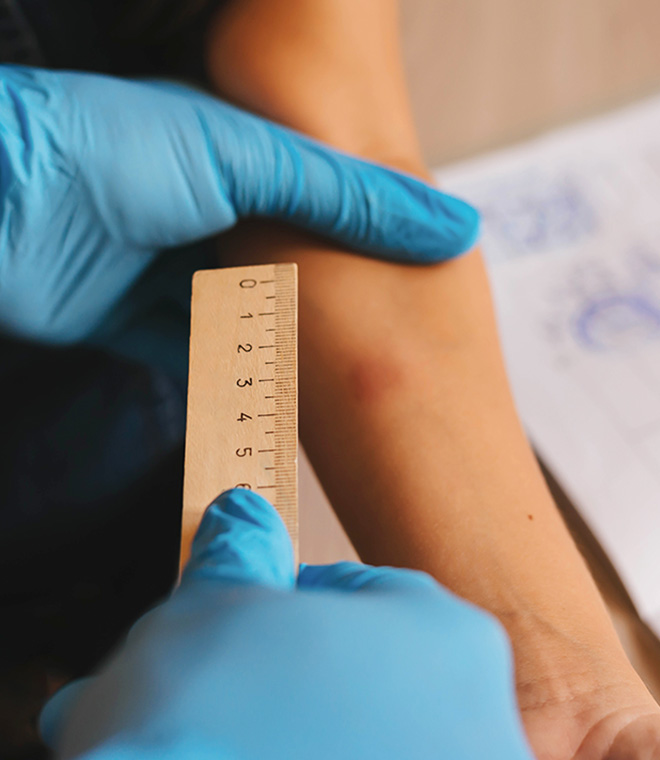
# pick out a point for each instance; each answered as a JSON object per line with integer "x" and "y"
{"x": 372, "y": 378}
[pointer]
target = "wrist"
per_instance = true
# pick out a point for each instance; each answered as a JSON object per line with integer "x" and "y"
{"x": 563, "y": 652}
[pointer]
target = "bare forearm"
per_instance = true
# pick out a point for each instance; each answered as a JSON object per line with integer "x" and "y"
{"x": 407, "y": 418}
{"x": 405, "y": 408}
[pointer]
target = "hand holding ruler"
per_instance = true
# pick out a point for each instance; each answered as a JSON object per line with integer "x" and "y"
{"x": 242, "y": 427}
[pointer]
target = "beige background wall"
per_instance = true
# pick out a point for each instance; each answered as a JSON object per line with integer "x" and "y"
{"x": 487, "y": 72}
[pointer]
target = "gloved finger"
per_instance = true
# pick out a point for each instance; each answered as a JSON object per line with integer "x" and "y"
{"x": 55, "y": 712}
{"x": 354, "y": 202}
{"x": 272, "y": 171}
{"x": 205, "y": 163}
{"x": 241, "y": 540}
{"x": 354, "y": 576}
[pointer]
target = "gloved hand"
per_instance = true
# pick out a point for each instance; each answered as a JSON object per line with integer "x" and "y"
{"x": 98, "y": 175}
{"x": 243, "y": 662}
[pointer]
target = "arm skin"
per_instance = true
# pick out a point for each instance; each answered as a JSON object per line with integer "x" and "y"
{"x": 405, "y": 408}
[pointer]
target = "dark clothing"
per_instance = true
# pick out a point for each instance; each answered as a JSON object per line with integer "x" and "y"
{"x": 123, "y": 37}
{"x": 92, "y": 445}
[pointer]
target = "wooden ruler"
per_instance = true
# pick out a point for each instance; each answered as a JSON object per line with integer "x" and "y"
{"x": 242, "y": 427}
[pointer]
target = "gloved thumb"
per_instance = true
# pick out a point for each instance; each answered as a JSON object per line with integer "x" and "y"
{"x": 55, "y": 712}
{"x": 182, "y": 748}
{"x": 208, "y": 163}
{"x": 272, "y": 171}
{"x": 354, "y": 576}
{"x": 281, "y": 174}
{"x": 241, "y": 540}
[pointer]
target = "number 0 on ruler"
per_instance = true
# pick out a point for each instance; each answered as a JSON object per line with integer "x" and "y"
{"x": 242, "y": 427}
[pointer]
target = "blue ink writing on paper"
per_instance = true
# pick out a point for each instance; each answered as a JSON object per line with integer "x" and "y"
{"x": 534, "y": 214}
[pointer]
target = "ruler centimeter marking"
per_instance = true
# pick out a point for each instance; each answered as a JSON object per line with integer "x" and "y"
{"x": 242, "y": 426}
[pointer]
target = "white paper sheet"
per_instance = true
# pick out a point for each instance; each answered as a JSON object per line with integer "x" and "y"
{"x": 572, "y": 240}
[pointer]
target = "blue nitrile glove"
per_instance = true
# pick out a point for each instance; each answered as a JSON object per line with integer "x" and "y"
{"x": 350, "y": 662}
{"x": 97, "y": 175}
